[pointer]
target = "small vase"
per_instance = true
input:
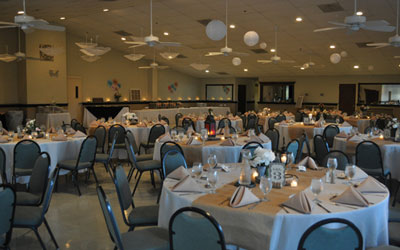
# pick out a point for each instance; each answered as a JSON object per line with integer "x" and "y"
{"x": 245, "y": 174}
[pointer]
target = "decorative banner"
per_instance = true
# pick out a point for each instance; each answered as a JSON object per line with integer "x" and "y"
{"x": 226, "y": 89}
{"x": 172, "y": 87}
{"x": 114, "y": 84}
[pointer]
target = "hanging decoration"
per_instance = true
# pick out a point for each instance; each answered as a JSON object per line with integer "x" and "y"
{"x": 263, "y": 45}
{"x": 335, "y": 58}
{"x": 251, "y": 38}
{"x": 216, "y": 30}
{"x": 236, "y": 61}
{"x": 115, "y": 85}
{"x": 226, "y": 89}
{"x": 172, "y": 88}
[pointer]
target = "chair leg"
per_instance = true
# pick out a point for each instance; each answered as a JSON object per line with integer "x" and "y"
{"x": 137, "y": 183}
{"x": 94, "y": 175}
{"x": 130, "y": 174}
{"x": 58, "y": 174}
{"x": 131, "y": 228}
{"x": 152, "y": 178}
{"x": 395, "y": 194}
{"x": 50, "y": 232}
{"x": 136, "y": 175}
{"x": 75, "y": 180}
{"x": 109, "y": 170}
{"x": 159, "y": 193}
{"x": 39, "y": 238}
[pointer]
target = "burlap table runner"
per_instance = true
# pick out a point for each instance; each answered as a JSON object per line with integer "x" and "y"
{"x": 351, "y": 145}
{"x": 296, "y": 130}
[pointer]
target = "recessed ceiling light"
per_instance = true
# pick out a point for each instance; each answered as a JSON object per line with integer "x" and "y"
{"x": 62, "y": 18}
{"x": 232, "y": 26}
{"x": 302, "y": 68}
{"x": 272, "y": 50}
{"x": 166, "y": 33}
{"x": 123, "y": 38}
{"x": 299, "y": 19}
{"x": 332, "y": 46}
{"x": 106, "y": 10}
{"x": 356, "y": 66}
{"x": 20, "y": 12}
{"x": 207, "y": 71}
{"x": 399, "y": 65}
{"x": 359, "y": 13}
{"x": 245, "y": 70}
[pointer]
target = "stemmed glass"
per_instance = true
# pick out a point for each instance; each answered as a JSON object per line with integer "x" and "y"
{"x": 181, "y": 135}
{"x": 204, "y": 135}
{"x": 212, "y": 161}
{"x": 265, "y": 186}
{"x": 316, "y": 188}
{"x": 235, "y": 137}
{"x": 332, "y": 165}
{"x": 290, "y": 159}
{"x": 350, "y": 171}
{"x": 173, "y": 134}
{"x": 212, "y": 179}
{"x": 197, "y": 169}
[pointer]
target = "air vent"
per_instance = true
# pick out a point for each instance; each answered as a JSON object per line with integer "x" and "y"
{"x": 222, "y": 73}
{"x": 122, "y": 33}
{"x": 259, "y": 51}
{"x": 181, "y": 56}
{"x": 204, "y": 21}
{"x": 134, "y": 94}
{"x": 330, "y": 7}
{"x": 364, "y": 45}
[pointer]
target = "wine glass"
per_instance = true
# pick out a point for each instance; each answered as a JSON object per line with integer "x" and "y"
{"x": 316, "y": 188}
{"x": 265, "y": 186}
{"x": 204, "y": 135}
{"x": 337, "y": 120}
{"x": 212, "y": 179}
{"x": 290, "y": 159}
{"x": 350, "y": 171}
{"x": 235, "y": 137}
{"x": 181, "y": 135}
{"x": 252, "y": 132}
{"x": 212, "y": 161}
{"x": 173, "y": 134}
{"x": 197, "y": 169}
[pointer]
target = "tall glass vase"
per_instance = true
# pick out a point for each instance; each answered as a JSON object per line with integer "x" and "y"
{"x": 245, "y": 173}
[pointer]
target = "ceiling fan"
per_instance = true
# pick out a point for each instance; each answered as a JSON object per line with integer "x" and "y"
{"x": 150, "y": 40}
{"x": 357, "y": 22}
{"x": 226, "y": 51}
{"x": 153, "y": 65}
{"x": 394, "y": 40}
{"x": 28, "y": 23}
{"x": 18, "y": 56}
{"x": 7, "y": 57}
{"x": 308, "y": 65}
{"x": 275, "y": 58}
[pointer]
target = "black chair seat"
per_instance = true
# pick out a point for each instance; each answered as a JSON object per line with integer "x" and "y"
{"x": 394, "y": 236}
{"x": 144, "y": 157}
{"x": 71, "y": 164}
{"x": 120, "y": 145}
{"x": 23, "y": 172}
{"x": 150, "y": 145}
{"x": 148, "y": 165}
{"x": 102, "y": 158}
{"x": 144, "y": 215}
{"x": 27, "y": 199}
{"x": 27, "y": 216}
{"x": 376, "y": 172}
{"x": 149, "y": 238}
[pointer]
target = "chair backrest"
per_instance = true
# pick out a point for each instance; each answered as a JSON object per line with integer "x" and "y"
{"x": 123, "y": 191}
{"x": 80, "y": 127}
{"x": 298, "y": 117}
{"x": 271, "y": 123}
{"x": 49, "y": 191}
{"x": 40, "y": 173}
{"x": 368, "y": 155}
{"x": 177, "y": 117}
{"x": 25, "y": 152}
{"x": 329, "y": 134}
{"x": 3, "y": 167}
{"x": 155, "y": 132}
{"x": 132, "y": 140}
{"x": 130, "y": 151}
{"x": 303, "y": 140}
{"x": 109, "y": 217}
{"x": 251, "y": 121}
{"x": 280, "y": 118}
{"x": 121, "y": 133}
{"x": 273, "y": 135}
{"x": 193, "y": 228}
{"x": 172, "y": 160}
{"x": 169, "y": 145}
{"x": 100, "y": 134}
{"x": 293, "y": 147}
{"x": 321, "y": 148}
{"x": 88, "y": 150}
{"x": 187, "y": 122}
{"x": 250, "y": 146}
{"x": 74, "y": 122}
{"x": 336, "y": 236}
{"x": 244, "y": 120}
{"x": 7, "y": 209}
{"x": 221, "y": 123}
{"x": 164, "y": 118}
{"x": 367, "y": 130}
{"x": 341, "y": 157}
{"x": 380, "y": 123}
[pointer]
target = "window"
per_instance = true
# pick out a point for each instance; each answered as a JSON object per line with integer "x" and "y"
{"x": 379, "y": 94}
{"x": 277, "y": 92}
{"x": 134, "y": 94}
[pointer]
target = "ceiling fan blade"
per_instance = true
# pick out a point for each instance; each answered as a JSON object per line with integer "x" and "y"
{"x": 214, "y": 54}
{"x": 377, "y": 23}
{"x": 170, "y": 44}
{"x": 339, "y": 24}
{"x": 396, "y": 57}
{"x": 239, "y": 53}
{"x": 5, "y": 27}
{"x": 135, "y": 42}
{"x": 44, "y": 25}
{"x": 136, "y": 38}
{"x": 134, "y": 57}
{"x": 378, "y": 45}
{"x": 135, "y": 46}
{"x": 144, "y": 67}
{"x": 384, "y": 28}
{"x": 287, "y": 61}
{"x": 7, "y": 58}
{"x": 9, "y": 24}
{"x": 264, "y": 61}
{"x": 162, "y": 67}
{"x": 328, "y": 29}
{"x": 33, "y": 58}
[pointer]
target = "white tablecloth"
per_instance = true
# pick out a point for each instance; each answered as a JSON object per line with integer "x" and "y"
{"x": 282, "y": 231}
{"x": 200, "y": 153}
{"x": 52, "y": 120}
{"x": 390, "y": 155}
{"x": 58, "y": 151}
{"x": 89, "y": 117}
{"x": 266, "y": 120}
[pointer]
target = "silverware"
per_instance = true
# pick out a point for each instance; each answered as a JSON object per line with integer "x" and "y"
{"x": 342, "y": 205}
{"x": 285, "y": 209}
{"x": 254, "y": 205}
{"x": 222, "y": 202}
{"x": 323, "y": 207}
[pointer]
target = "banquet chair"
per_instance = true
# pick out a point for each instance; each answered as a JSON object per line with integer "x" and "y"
{"x": 7, "y": 208}
{"x": 298, "y": 117}
{"x": 132, "y": 140}
{"x": 106, "y": 159}
{"x": 172, "y": 160}
{"x": 273, "y": 135}
{"x": 121, "y": 136}
{"x": 25, "y": 152}
{"x": 252, "y": 121}
{"x": 321, "y": 148}
{"x": 155, "y": 132}
{"x": 164, "y": 118}
{"x": 37, "y": 183}
{"x": 167, "y": 146}
{"x": 271, "y": 123}
{"x": 381, "y": 123}
{"x": 140, "y": 166}
{"x": 100, "y": 134}
{"x": 367, "y": 130}
{"x": 195, "y": 229}
{"x": 341, "y": 157}
{"x": 303, "y": 140}
{"x": 187, "y": 122}
{"x": 341, "y": 120}
{"x": 32, "y": 217}
{"x": 149, "y": 238}
{"x": 85, "y": 160}
{"x": 74, "y": 122}
{"x": 243, "y": 117}
{"x": 322, "y": 236}
{"x": 177, "y": 117}
{"x": 280, "y": 118}
{"x": 133, "y": 216}
{"x": 251, "y": 146}
{"x": 221, "y": 125}
{"x": 329, "y": 134}
{"x": 394, "y": 226}
{"x": 79, "y": 127}
{"x": 369, "y": 159}
{"x": 3, "y": 167}
{"x": 293, "y": 147}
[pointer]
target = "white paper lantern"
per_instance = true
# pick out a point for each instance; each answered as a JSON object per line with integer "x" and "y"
{"x": 216, "y": 30}
{"x": 251, "y": 38}
{"x": 236, "y": 61}
{"x": 343, "y": 54}
{"x": 335, "y": 58}
{"x": 371, "y": 67}
{"x": 263, "y": 45}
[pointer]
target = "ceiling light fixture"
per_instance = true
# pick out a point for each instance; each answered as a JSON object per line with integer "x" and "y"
{"x": 299, "y": 19}
{"x": 106, "y": 10}
{"x": 207, "y": 71}
{"x": 332, "y": 46}
{"x": 232, "y": 26}
{"x": 356, "y": 67}
{"x": 399, "y": 65}
{"x": 272, "y": 50}
{"x": 20, "y": 12}
{"x": 359, "y": 13}
{"x": 123, "y": 38}
{"x": 62, "y": 18}
{"x": 245, "y": 70}
{"x": 166, "y": 33}
{"x": 302, "y": 68}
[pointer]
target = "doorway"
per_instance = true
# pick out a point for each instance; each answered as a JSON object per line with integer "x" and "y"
{"x": 242, "y": 98}
{"x": 347, "y": 98}
{"x": 75, "y": 97}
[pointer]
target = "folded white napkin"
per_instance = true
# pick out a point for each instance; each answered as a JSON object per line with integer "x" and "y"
{"x": 70, "y": 131}
{"x": 242, "y": 197}
{"x": 264, "y": 138}
{"x": 371, "y": 185}
{"x": 300, "y": 203}
{"x": 59, "y": 137}
{"x": 228, "y": 142}
{"x": 179, "y": 173}
{"x": 165, "y": 137}
{"x": 79, "y": 134}
{"x": 195, "y": 142}
{"x": 256, "y": 139}
{"x": 187, "y": 184}
{"x": 351, "y": 196}
{"x": 3, "y": 139}
{"x": 190, "y": 130}
{"x": 52, "y": 130}
{"x": 346, "y": 124}
{"x": 356, "y": 138}
{"x": 308, "y": 162}
{"x": 342, "y": 134}
{"x": 319, "y": 123}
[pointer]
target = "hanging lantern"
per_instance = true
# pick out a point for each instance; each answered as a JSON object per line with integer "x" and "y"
{"x": 216, "y": 30}
{"x": 236, "y": 61}
{"x": 211, "y": 126}
{"x": 251, "y": 38}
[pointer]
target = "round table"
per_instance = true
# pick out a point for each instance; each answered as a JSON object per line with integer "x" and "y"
{"x": 236, "y": 123}
{"x": 263, "y": 119}
{"x": 267, "y": 226}
{"x": 200, "y": 153}
{"x": 360, "y": 123}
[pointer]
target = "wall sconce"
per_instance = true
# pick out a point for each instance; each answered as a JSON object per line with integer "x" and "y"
{"x": 213, "y": 98}
{"x": 197, "y": 98}
{"x": 189, "y": 98}
{"x": 221, "y": 98}
{"x": 88, "y": 99}
{"x": 158, "y": 99}
{"x": 228, "y": 98}
{"x": 180, "y": 98}
{"x": 144, "y": 99}
{"x": 108, "y": 99}
{"x": 53, "y": 73}
{"x": 169, "y": 99}
{"x": 125, "y": 99}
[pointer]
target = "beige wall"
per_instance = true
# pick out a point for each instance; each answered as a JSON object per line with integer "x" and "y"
{"x": 8, "y": 71}
{"x": 188, "y": 86}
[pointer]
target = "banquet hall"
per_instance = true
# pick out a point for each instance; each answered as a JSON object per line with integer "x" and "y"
{"x": 200, "y": 124}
